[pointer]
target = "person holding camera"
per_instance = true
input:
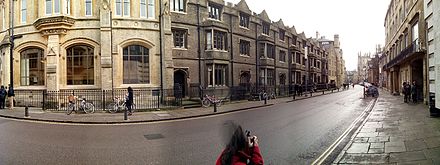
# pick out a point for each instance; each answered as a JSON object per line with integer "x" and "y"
{"x": 241, "y": 150}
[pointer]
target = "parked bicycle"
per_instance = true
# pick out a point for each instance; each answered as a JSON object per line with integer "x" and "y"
{"x": 208, "y": 100}
{"x": 118, "y": 104}
{"x": 87, "y": 107}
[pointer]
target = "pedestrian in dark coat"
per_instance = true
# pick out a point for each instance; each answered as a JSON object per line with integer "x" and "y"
{"x": 414, "y": 92}
{"x": 11, "y": 96}
{"x": 129, "y": 100}
{"x": 2, "y": 97}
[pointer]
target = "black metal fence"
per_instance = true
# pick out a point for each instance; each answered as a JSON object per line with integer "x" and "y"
{"x": 143, "y": 99}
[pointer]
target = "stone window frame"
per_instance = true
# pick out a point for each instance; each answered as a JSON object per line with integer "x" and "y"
{"x": 213, "y": 75}
{"x": 38, "y": 61}
{"x": 144, "y": 57}
{"x": 183, "y": 37}
{"x": 266, "y": 28}
{"x": 244, "y": 20}
{"x": 122, "y": 9}
{"x": 147, "y": 9}
{"x": 53, "y": 7}
{"x": 215, "y": 11}
{"x": 282, "y": 56}
{"x": 178, "y": 7}
{"x": 245, "y": 47}
{"x": 282, "y": 35}
{"x": 90, "y": 55}
{"x": 216, "y": 40}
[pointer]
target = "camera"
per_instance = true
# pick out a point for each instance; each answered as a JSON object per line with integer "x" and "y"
{"x": 248, "y": 134}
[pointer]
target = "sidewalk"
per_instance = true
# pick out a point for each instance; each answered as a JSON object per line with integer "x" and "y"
{"x": 101, "y": 117}
{"x": 394, "y": 133}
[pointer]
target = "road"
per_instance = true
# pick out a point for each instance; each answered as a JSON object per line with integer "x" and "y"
{"x": 289, "y": 133}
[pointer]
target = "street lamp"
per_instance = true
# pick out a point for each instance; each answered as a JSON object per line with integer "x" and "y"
{"x": 364, "y": 79}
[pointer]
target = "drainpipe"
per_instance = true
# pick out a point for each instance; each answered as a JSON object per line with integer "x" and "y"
{"x": 232, "y": 51}
{"x": 11, "y": 39}
{"x": 111, "y": 52}
{"x": 257, "y": 61}
{"x": 198, "y": 49}
{"x": 161, "y": 47}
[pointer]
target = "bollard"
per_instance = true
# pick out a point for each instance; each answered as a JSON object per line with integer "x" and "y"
{"x": 311, "y": 93}
{"x": 215, "y": 107}
{"x": 126, "y": 114}
{"x": 322, "y": 91}
{"x": 294, "y": 96}
{"x": 265, "y": 100}
{"x": 338, "y": 89}
{"x": 332, "y": 90}
{"x": 26, "y": 111}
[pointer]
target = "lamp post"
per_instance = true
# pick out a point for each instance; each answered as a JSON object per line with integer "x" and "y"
{"x": 364, "y": 79}
{"x": 11, "y": 40}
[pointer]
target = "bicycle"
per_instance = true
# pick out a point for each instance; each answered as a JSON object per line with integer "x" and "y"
{"x": 118, "y": 104}
{"x": 208, "y": 100}
{"x": 87, "y": 107}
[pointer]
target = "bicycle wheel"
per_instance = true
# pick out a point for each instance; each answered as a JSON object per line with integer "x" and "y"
{"x": 206, "y": 102}
{"x": 112, "y": 108}
{"x": 89, "y": 108}
{"x": 69, "y": 109}
{"x": 219, "y": 103}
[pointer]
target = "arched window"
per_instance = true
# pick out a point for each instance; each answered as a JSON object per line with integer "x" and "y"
{"x": 136, "y": 65}
{"x": 80, "y": 65}
{"x": 32, "y": 67}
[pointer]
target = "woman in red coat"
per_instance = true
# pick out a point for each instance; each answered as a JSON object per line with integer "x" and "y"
{"x": 241, "y": 150}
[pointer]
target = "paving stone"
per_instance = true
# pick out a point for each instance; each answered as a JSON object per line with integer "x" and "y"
{"x": 370, "y": 134}
{"x": 376, "y": 151}
{"x": 394, "y": 147}
{"x": 415, "y": 145}
{"x": 360, "y": 140}
{"x": 377, "y": 145}
{"x": 407, "y": 156}
{"x": 364, "y": 158}
{"x": 379, "y": 139}
{"x": 358, "y": 148}
{"x": 390, "y": 129}
{"x": 433, "y": 142}
{"x": 433, "y": 153}
{"x": 419, "y": 162}
{"x": 367, "y": 130}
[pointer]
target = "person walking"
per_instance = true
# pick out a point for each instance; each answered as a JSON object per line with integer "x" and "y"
{"x": 414, "y": 92}
{"x": 406, "y": 92}
{"x": 11, "y": 95}
{"x": 241, "y": 150}
{"x": 2, "y": 97}
{"x": 129, "y": 100}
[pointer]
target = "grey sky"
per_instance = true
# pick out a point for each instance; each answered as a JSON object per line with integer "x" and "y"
{"x": 359, "y": 23}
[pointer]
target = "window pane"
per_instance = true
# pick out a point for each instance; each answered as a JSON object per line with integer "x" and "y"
{"x": 48, "y": 7}
{"x": 126, "y": 7}
{"x": 56, "y": 6}
{"x": 31, "y": 67}
{"x": 88, "y": 7}
{"x": 118, "y": 7}
{"x": 151, "y": 9}
{"x": 143, "y": 8}
{"x": 80, "y": 65}
{"x": 23, "y": 11}
{"x": 67, "y": 7}
{"x": 136, "y": 66}
{"x": 208, "y": 40}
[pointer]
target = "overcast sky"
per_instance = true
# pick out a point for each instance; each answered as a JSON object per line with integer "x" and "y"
{"x": 359, "y": 23}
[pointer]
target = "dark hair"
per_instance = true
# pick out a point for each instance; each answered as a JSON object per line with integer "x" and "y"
{"x": 130, "y": 89}
{"x": 237, "y": 143}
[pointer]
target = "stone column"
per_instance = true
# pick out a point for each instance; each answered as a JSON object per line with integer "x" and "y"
{"x": 106, "y": 48}
{"x": 167, "y": 40}
{"x": 52, "y": 65}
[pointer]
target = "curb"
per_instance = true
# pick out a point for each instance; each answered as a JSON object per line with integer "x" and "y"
{"x": 154, "y": 120}
{"x": 132, "y": 122}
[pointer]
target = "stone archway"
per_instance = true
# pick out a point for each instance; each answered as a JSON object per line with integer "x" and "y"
{"x": 180, "y": 81}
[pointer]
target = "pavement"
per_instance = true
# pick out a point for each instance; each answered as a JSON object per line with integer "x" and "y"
{"x": 394, "y": 133}
{"x": 102, "y": 117}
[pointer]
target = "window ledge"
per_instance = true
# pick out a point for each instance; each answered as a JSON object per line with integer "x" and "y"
{"x": 81, "y": 87}
{"x": 244, "y": 55}
{"x": 177, "y": 48}
{"x": 30, "y": 87}
{"x": 217, "y": 20}
{"x": 245, "y": 28}
{"x": 179, "y": 12}
{"x": 216, "y": 50}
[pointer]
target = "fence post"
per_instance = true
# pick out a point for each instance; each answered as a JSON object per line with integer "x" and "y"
{"x": 158, "y": 98}
{"x": 323, "y": 91}
{"x": 311, "y": 93}
{"x": 265, "y": 100}
{"x": 125, "y": 114}
{"x": 215, "y": 107}
{"x": 26, "y": 111}
{"x": 44, "y": 99}
{"x": 294, "y": 94}
{"x": 103, "y": 100}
